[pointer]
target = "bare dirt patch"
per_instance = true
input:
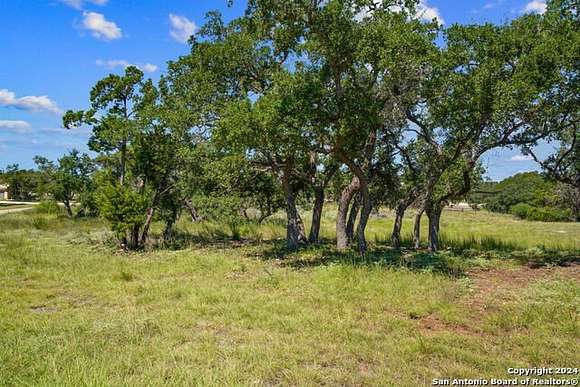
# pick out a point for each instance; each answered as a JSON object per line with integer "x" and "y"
{"x": 431, "y": 324}
{"x": 494, "y": 285}
{"x": 490, "y": 289}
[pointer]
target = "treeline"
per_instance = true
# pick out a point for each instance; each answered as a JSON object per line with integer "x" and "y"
{"x": 356, "y": 99}
{"x": 68, "y": 180}
{"x": 530, "y": 196}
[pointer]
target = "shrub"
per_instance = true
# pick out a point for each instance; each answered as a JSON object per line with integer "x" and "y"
{"x": 521, "y": 210}
{"x": 542, "y": 214}
{"x": 40, "y": 223}
{"x": 124, "y": 208}
{"x": 89, "y": 205}
{"x": 49, "y": 207}
{"x": 226, "y": 209}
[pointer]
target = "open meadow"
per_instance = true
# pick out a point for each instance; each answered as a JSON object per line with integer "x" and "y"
{"x": 217, "y": 310}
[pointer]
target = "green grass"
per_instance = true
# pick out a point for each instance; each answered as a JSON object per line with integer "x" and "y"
{"x": 211, "y": 311}
{"x": 488, "y": 230}
{"x": 8, "y": 206}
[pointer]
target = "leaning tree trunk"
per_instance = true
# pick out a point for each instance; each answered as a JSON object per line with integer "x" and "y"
{"x": 399, "y": 214}
{"x": 149, "y": 217}
{"x": 294, "y": 226}
{"x": 434, "y": 214}
{"x": 146, "y": 225}
{"x": 341, "y": 216}
{"x": 352, "y": 215}
{"x": 316, "y": 215}
{"x": 192, "y": 211}
{"x": 68, "y": 208}
{"x": 417, "y": 229}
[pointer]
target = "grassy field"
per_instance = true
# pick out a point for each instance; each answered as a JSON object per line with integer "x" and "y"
{"x": 8, "y": 206}
{"x": 212, "y": 311}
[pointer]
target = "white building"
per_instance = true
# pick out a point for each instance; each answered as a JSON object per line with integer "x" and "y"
{"x": 4, "y": 192}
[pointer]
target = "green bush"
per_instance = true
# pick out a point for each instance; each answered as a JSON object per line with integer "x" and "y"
{"x": 542, "y": 214}
{"x": 89, "y": 205}
{"x": 226, "y": 209}
{"x": 49, "y": 207}
{"x": 124, "y": 208}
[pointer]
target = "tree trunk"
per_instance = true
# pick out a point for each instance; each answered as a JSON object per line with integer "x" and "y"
{"x": 399, "y": 214}
{"x": 417, "y": 229}
{"x": 168, "y": 231}
{"x": 365, "y": 212}
{"x": 133, "y": 238}
{"x": 316, "y": 215}
{"x": 149, "y": 218}
{"x": 575, "y": 204}
{"x": 146, "y": 225}
{"x": 169, "y": 223}
{"x": 342, "y": 213}
{"x": 192, "y": 210}
{"x": 354, "y": 211}
{"x": 301, "y": 227}
{"x": 294, "y": 226}
{"x": 123, "y": 162}
{"x": 434, "y": 214}
{"x": 361, "y": 178}
{"x": 68, "y": 208}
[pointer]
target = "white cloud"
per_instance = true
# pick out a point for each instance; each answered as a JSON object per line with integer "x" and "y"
{"x": 112, "y": 64}
{"x": 148, "y": 67}
{"x": 521, "y": 158}
{"x": 15, "y": 126}
{"x": 181, "y": 28}
{"x": 429, "y": 13}
{"x": 29, "y": 103}
{"x": 79, "y": 4}
{"x": 535, "y": 6}
{"x": 424, "y": 11}
{"x": 100, "y": 27}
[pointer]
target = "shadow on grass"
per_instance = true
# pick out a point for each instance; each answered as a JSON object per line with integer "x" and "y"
{"x": 225, "y": 237}
{"x": 456, "y": 255}
{"x": 325, "y": 254}
{"x": 489, "y": 247}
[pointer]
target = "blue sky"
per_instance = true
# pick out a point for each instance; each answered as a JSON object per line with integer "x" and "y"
{"x": 53, "y": 52}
